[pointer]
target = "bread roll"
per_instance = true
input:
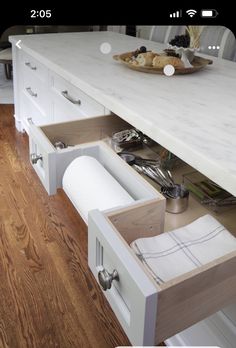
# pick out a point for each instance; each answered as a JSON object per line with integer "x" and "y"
{"x": 162, "y": 61}
{"x": 145, "y": 59}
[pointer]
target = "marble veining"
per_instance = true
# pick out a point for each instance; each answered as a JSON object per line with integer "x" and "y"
{"x": 194, "y": 116}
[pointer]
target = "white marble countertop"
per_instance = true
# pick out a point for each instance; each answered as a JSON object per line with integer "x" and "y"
{"x": 194, "y": 116}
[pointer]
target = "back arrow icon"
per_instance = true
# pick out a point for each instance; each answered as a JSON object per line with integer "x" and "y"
{"x": 18, "y": 44}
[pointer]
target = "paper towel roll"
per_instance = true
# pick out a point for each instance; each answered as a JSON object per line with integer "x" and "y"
{"x": 90, "y": 186}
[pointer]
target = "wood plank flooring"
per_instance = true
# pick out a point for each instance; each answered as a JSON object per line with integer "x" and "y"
{"x": 48, "y": 296}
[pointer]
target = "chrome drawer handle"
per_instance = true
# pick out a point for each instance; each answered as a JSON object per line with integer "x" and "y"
{"x": 29, "y": 90}
{"x": 68, "y": 97}
{"x": 35, "y": 158}
{"x": 30, "y": 66}
{"x": 105, "y": 278}
{"x": 30, "y": 120}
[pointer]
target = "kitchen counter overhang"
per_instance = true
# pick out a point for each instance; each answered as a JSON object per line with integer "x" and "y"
{"x": 193, "y": 115}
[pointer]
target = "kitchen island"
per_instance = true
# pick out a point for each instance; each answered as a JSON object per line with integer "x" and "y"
{"x": 185, "y": 114}
{"x": 192, "y": 115}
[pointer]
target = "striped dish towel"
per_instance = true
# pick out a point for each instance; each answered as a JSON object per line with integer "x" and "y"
{"x": 171, "y": 254}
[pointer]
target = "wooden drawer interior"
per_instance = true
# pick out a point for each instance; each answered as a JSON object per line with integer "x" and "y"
{"x": 186, "y": 299}
{"x": 84, "y": 130}
{"x": 195, "y": 208}
{"x": 75, "y": 134}
{"x": 193, "y": 296}
{"x": 102, "y": 127}
{"x": 147, "y": 200}
{"x": 200, "y": 293}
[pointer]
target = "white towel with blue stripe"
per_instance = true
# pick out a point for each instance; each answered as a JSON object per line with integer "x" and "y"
{"x": 171, "y": 254}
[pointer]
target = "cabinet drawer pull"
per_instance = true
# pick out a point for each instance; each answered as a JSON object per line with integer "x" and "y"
{"x": 35, "y": 158}
{"x": 30, "y": 120}
{"x": 105, "y": 278}
{"x": 68, "y": 97}
{"x": 30, "y": 66}
{"x": 29, "y": 90}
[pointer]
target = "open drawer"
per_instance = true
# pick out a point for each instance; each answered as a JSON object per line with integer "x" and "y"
{"x": 148, "y": 312}
{"x": 49, "y": 162}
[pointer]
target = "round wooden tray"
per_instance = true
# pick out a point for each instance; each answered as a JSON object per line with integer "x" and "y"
{"x": 198, "y": 63}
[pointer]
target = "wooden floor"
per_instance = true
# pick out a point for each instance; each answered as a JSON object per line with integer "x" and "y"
{"x": 48, "y": 296}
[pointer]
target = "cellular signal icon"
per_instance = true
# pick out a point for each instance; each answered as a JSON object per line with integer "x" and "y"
{"x": 191, "y": 13}
{"x": 176, "y": 14}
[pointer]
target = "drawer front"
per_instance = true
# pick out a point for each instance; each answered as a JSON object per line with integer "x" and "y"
{"x": 35, "y": 91}
{"x": 31, "y": 66}
{"x": 72, "y": 96}
{"x": 43, "y": 158}
{"x": 133, "y": 297}
{"x": 48, "y": 163}
{"x": 31, "y": 110}
{"x": 64, "y": 111}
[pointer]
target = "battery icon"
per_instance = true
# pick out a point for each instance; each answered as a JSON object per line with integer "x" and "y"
{"x": 209, "y": 13}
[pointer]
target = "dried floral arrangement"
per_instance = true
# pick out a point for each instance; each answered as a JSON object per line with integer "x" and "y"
{"x": 194, "y": 32}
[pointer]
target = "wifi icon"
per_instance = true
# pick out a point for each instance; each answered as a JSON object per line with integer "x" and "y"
{"x": 191, "y": 13}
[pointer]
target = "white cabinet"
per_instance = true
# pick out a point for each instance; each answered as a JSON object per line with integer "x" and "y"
{"x": 30, "y": 110}
{"x": 45, "y": 97}
{"x": 133, "y": 298}
{"x": 148, "y": 312}
{"x": 34, "y": 67}
{"x": 70, "y": 103}
{"x": 31, "y": 90}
